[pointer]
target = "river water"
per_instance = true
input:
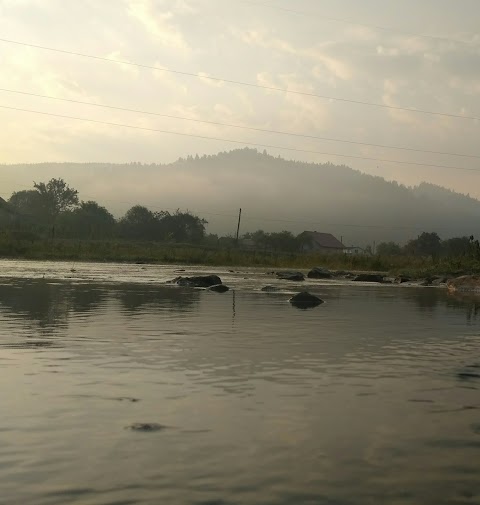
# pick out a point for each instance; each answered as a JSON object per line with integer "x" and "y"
{"x": 370, "y": 398}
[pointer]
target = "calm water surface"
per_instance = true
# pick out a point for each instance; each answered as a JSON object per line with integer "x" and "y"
{"x": 371, "y": 398}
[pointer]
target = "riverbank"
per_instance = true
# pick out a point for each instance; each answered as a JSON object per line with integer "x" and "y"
{"x": 116, "y": 251}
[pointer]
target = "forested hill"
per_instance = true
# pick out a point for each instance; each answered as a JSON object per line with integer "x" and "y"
{"x": 274, "y": 194}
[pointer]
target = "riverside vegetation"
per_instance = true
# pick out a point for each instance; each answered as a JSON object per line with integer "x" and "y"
{"x": 50, "y": 222}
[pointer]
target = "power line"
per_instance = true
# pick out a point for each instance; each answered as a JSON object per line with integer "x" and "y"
{"x": 251, "y": 128}
{"x": 355, "y": 23}
{"x": 244, "y": 83}
{"x": 241, "y": 142}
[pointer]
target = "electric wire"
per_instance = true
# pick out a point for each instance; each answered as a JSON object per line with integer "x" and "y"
{"x": 241, "y": 142}
{"x": 243, "y": 127}
{"x": 244, "y": 83}
{"x": 311, "y": 14}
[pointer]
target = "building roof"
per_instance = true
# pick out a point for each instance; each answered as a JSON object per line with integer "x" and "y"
{"x": 5, "y": 206}
{"x": 325, "y": 240}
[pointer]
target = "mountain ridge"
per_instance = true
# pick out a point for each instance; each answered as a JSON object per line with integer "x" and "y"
{"x": 275, "y": 194}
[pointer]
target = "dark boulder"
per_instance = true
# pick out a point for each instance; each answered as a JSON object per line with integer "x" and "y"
{"x": 198, "y": 281}
{"x": 290, "y": 276}
{"x": 369, "y": 278}
{"x": 305, "y": 300}
{"x": 218, "y": 288}
{"x": 319, "y": 273}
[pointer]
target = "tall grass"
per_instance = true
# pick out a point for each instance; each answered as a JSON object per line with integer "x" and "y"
{"x": 154, "y": 252}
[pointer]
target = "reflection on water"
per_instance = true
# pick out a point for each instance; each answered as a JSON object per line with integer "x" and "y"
{"x": 429, "y": 299}
{"x": 372, "y": 397}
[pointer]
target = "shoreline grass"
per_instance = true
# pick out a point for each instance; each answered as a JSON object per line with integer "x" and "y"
{"x": 117, "y": 251}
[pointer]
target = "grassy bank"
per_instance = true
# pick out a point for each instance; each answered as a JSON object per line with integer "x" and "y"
{"x": 154, "y": 252}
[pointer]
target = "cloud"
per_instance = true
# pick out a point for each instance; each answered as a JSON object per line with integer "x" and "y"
{"x": 158, "y": 24}
{"x": 128, "y": 69}
{"x": 317, "y": 54}
{"x": 299, "y": 53}
{"x": 302, "y": 114}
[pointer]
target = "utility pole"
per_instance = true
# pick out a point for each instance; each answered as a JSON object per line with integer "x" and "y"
{"x": 238, "y": 226}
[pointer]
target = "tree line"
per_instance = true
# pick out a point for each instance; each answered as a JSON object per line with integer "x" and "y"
{"x": 429, "y": 244}
{"x": 54, "y": 210}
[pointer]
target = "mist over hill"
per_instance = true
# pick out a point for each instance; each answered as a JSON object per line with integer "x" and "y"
{"x": 274, "y": 193}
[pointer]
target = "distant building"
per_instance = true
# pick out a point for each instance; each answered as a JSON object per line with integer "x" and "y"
{"x": 5, "y": 208}
{"x": 247, "y": 243}
{"x": 315, "y": 241}
{"x": 355, "y": 250}
{"x": 4, "y": 205}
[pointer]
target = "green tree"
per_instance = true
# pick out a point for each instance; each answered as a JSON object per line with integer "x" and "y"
{"x": 55, "y": 197}
{"x": 139, "y": 223}
{"x": 389, "y": 249}
{"x": 29, "y": 212}
{"x": 260, "y": 238}
{"x": 474, "y": 248}
{"x": 457, "y": 246}
{"x": 88, "y": 221}
{"x": 282, "y": 241}
{"x": 5, "y": 207}
{"x": 183, "y": 227}
{"x": 426, "y": 244}
{"x": 28, "y": 203}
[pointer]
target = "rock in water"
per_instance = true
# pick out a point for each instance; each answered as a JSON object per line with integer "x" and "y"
{"x": 465, "y": 284}
{"x": 291, "y": 276}
{"x": 198, "y": 281}
{"x": 305, "y": 300}
{"x": 270, "y": 289}
{"x": 319, "y": 273}
{"x": 146, "y": 427}
{"x": 218, "y": 288}
{"x": 369, "y": 278}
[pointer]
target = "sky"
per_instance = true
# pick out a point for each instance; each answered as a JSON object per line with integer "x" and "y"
{"x": 409, "y": 54}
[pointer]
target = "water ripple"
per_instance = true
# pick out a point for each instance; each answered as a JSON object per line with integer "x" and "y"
{"x": 372, "y": 398}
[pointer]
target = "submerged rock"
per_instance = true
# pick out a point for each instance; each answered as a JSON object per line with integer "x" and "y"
{"x": 218, "y": 288}
{"x": 291, "y": 276}
{"x": 369, "y": 278}
{"x": 305, "y": 300}
{"x": 469, "y": 372}
{"x": 466, "y": 375}
{"x": 146, "y": 427}
{"x": 198, "y": 281}
{"x": 270, "y": 289}
{"x": 426, "y": 282}
{"x": 319, "y": 273}
{"x": 465, "y": 284}
{"x": 341, "y": 273}
{"x": 126, "y": 399}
